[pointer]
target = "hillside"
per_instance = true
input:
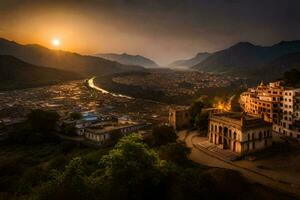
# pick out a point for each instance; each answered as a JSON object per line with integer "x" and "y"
{"x": 14, "y": 74}
{"x": 277, "y": 67}
{"x": 190, "y": 62}
{"x": 244, "y": 58}
{"x": 127, "y": 59}
{"x": 41, "y": 56}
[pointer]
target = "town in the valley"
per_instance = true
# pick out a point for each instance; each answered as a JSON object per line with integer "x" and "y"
{"x": 261, "y": 138}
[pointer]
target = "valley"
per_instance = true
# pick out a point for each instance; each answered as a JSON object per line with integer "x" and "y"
{"x": 171, "y": 86}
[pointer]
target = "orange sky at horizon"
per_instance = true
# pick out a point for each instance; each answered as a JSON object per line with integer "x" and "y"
{"x": 160, "y": 30}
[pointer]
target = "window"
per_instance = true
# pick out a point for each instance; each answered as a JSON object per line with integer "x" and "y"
{"x": 253, "y": 145}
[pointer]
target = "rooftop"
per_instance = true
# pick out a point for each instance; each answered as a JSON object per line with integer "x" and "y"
{"x": 240, "y": 120}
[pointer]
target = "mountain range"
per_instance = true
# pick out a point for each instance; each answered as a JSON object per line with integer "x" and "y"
{"x": 127, "y": 59}
{"x": 246, "y": 59}
{"x": 81, "y": 64}
{"x": 15, "y": 74}
{"x": 190, "y": 62}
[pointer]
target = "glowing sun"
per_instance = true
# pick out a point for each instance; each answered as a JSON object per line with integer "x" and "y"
{"x": 56, "y": 42}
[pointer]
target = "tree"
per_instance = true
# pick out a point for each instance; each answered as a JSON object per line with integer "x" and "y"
{"x": 69, "y": 184}
{"x": 42, "y": 121}
{"x": 162, "y": 135}
{"x": 132, "y": 169}
{"x": 38, "y": 128}
{"x": 201, "y": 120}
{"x": 196, "y": 109}
{"x": 68, "y": 129}
{"x": 76, "y": 115}
{"x": 175, "y": 152}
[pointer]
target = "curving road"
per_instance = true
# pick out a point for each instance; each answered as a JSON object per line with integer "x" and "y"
{"x": 203, "y": 156}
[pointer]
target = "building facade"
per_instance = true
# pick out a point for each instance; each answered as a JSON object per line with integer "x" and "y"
{"x": 240, "y": 133}
{"x": 264, "y": 101}
{"x": 180, "y": 118}
{"x": 290, "y": 120}
{"x": 276, "y": 104}
{"x": 105, "y": 134}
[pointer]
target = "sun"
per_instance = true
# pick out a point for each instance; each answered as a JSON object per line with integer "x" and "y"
{"x": 56, "y": 42}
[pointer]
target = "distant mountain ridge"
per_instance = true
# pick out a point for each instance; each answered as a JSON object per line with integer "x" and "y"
{"x": 42, "y": 56}
{"x": 277, "y": 67}
{"x": 15, "y": 74}
{"x": 127, "y": 59}
{"x": 190, "y": 62}
{"x": 244, "y": 58}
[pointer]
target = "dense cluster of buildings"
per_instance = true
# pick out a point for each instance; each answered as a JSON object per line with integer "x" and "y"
{"x": 276, "y": 104}
{"x": 174, "y": 82}
{"x": 104, "y": 115}
{"x": 102, "y": 129}
{"x": 267, "y": 109}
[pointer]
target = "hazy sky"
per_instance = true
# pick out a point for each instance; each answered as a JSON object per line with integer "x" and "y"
{"x": 163, "y": 30}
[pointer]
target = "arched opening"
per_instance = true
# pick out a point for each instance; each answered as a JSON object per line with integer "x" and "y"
{"x": 215, "y": 138}
{"x": 225, "y": 131}
{"x": 220, "y": 129}
{"x": 220, "y": 140}
{"x": 225, "y": 145}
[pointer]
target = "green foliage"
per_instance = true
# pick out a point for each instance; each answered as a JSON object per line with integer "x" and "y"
{"x": 162, "y": 135}
{"x": 70, "y": 184}
{"x": 68, "y": 129}
{"x": 175, "y": 152}
{"x": 130, "y": 171}
{"x": 196, "y": 109}
{"x": 201, "y": 120}
{"x": 42, "y": 121}
{"x": 132, "y": 166}
{"x": 76, "y": 115}
{"x": 38, "y": 128}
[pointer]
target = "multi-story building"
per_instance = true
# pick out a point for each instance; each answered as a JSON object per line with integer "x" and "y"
{"x": 290, "y": 120}
{"x": 239, "y": 132}
{"x": 264, "y": 101}
{"x": 276, "y": 104}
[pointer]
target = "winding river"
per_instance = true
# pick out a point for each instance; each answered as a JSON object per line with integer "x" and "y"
{"x": 92, "y": 85}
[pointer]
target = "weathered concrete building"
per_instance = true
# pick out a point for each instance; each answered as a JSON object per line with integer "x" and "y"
{"x": 104, "y": 134}
{"x": 180, "y": 118}
{"x": 238, "y": 132}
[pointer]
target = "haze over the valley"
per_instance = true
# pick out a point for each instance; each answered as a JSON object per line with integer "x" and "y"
{"x": 160, "y": 30}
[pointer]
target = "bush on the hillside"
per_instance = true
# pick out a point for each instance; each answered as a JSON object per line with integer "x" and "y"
{"x": 37, "y": 129}
{"x": 162, "y": 135}
{"x": 175, "y": 152}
